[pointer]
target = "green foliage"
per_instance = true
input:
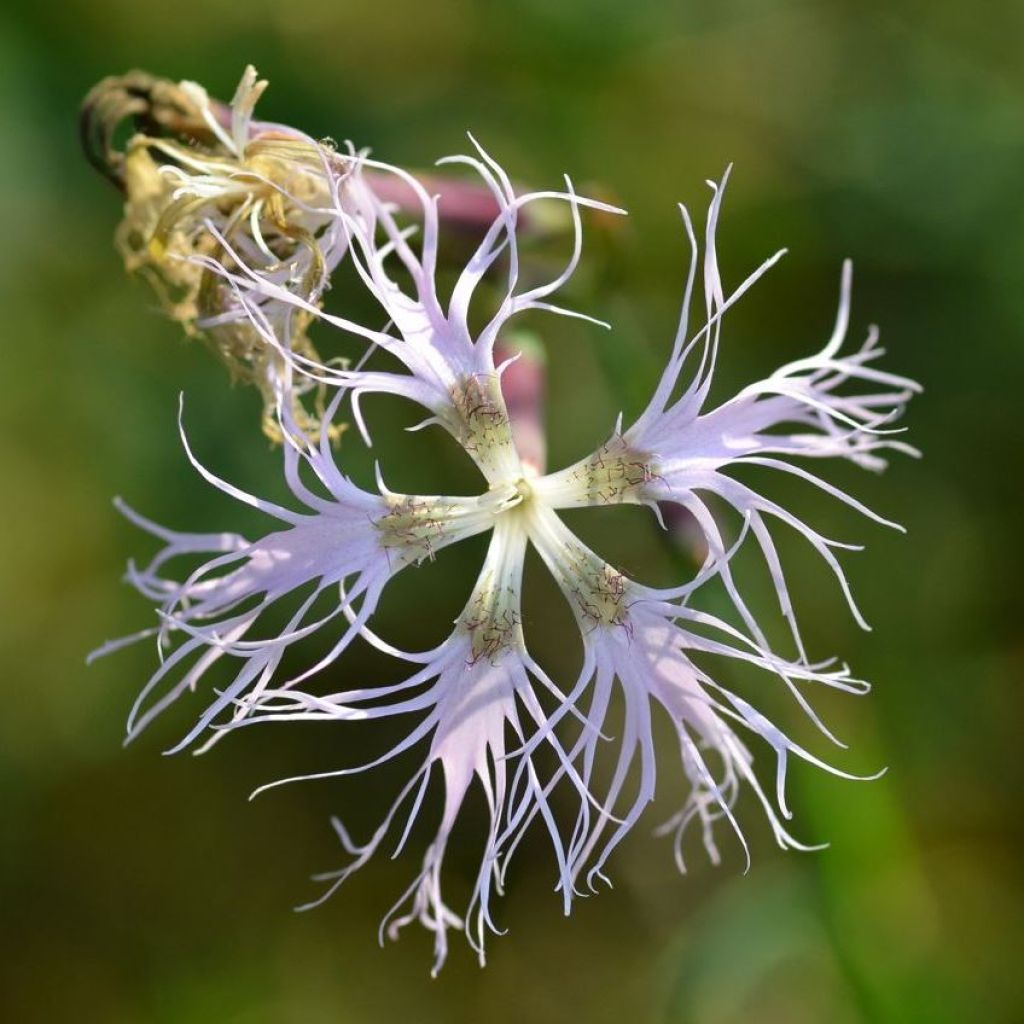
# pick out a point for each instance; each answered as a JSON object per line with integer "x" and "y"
{"x": 142, "y": 889}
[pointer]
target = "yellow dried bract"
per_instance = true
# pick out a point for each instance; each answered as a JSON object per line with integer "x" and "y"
{"x": 189, "y": 177}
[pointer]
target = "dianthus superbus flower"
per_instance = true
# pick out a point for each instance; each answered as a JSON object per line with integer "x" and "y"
{"x": 464, "y": 699}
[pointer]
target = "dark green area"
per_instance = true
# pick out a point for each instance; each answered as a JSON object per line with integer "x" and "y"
{"x": 136, "y": 888}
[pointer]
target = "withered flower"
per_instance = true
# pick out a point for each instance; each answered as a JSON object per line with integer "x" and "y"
{"x": 204, "y": 181}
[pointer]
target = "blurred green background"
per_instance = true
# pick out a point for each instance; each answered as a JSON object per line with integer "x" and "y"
{"x": 137, "y": 888}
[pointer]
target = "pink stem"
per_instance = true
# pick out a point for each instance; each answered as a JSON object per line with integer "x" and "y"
{"x": 523, "y": 387}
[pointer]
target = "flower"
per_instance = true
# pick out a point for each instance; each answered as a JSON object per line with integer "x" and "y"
{"x": 480, "y": 686}
{"x": 678, "y": 448}
{"x": 347, "y": 536}
{"x": 450, "y": 372}
{"x": 642, "y": 638}
{"x": 471, "y": 688}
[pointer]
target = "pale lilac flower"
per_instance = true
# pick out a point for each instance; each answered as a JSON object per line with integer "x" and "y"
{"x": 679, "y": 449}
{"x": 480, "y": 686}
{"x": 642, "y": 640}
{"x": 473, "y": 690}
{"x": 346, "y": 538}
{"x": 450, "y": 372}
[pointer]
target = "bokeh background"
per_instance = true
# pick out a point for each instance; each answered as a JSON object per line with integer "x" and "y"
{"x": 138, "y": 888}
